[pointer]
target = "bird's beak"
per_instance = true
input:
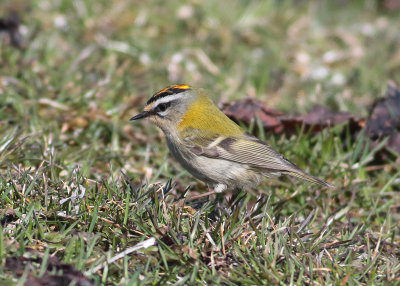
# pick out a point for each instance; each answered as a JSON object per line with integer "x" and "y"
{"x": 144, "y": 114}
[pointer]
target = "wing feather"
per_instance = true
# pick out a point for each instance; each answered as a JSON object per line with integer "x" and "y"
{"x": 244, "y": 149}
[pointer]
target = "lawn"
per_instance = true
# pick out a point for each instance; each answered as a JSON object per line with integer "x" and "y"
{"x": 89, "y": 198}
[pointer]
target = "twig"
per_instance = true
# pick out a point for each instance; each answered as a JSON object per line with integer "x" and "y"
{"x": 144, "y": 244}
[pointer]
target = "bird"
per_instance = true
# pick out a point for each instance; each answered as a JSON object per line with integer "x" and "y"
{"x": 212, "y": 147}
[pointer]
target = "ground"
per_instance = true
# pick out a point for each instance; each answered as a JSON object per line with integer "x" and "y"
{"x": 80, "y": 184}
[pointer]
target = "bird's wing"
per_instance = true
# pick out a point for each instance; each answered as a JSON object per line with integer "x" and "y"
{"x": 244, "y": 149}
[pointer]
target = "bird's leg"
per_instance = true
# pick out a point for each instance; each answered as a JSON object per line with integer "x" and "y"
{"x": 219, "y": 188}
{"x": 210, "y": 192}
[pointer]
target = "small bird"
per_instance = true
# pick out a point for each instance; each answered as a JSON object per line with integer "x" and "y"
{"x": 211, "y": 146}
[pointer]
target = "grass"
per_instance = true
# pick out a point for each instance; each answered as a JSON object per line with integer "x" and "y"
{"x": 79, "y": 183}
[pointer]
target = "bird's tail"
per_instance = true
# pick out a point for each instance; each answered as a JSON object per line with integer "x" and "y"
{"x": 298, "y": 173}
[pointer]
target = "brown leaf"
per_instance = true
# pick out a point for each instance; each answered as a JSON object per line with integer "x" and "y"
{"x": 384, "y": 119}
{"x": 187, "y": 250}
{"x": 394, "y": 142}
{"x": 318, "y": 118}
{"x": 8, "y": 216}
{"x": 247, "y": 109}
{"x": 391, "y": 5}
{"x": 66, "y": 273}
{"x": 273, "y": 120}
{"x": 10, "y": 25}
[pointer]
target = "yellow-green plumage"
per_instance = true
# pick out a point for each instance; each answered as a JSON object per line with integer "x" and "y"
{"x": 203, "y": 115}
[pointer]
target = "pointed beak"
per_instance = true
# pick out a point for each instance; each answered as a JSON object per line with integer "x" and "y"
{"x": 144, "y": 114}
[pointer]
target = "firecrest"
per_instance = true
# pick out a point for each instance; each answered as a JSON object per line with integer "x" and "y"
{"x": 212, "y": 147}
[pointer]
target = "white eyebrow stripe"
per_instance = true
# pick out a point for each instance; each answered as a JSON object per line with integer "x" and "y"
{"x": 165, "y": 99}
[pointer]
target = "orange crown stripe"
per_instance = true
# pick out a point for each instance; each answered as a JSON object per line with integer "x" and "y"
{"x": 181, "y": 86}
{"x": 173, "y": 89}
{"x": 178, "y": 86}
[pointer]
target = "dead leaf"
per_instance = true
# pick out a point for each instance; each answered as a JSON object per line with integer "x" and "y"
{"x": 9, "y": 216}
{"x": 66, "y": 273}
{"x": 10, "y": 25}
{"x": 391, "y": 5}
{"x": 248, "y": 109}
{"x": 394, "y": 143}
{"x": 185, "y": 249}
{"x": 318, "y": 118}
{"x": 384, "y": 119}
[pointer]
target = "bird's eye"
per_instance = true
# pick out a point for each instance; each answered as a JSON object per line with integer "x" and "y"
{"x": 163, "y": 106}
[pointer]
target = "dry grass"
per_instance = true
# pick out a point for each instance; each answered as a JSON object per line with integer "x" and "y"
{"x": 79, "y": 184}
